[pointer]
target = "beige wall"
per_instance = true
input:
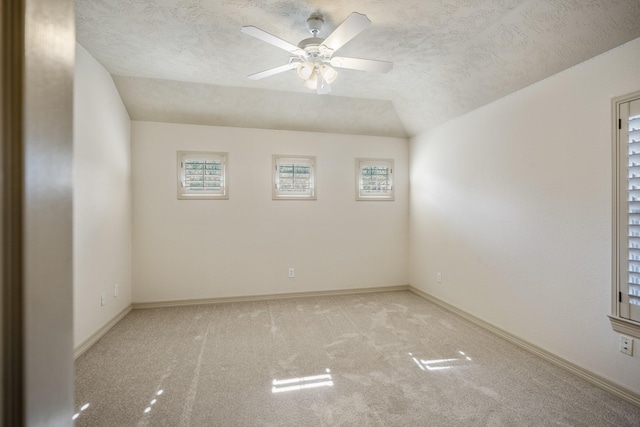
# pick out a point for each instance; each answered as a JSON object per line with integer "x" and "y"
{"x": 186, "y": 249}
{"x": 101, "y": 198}
{"x": 512, "y": 204}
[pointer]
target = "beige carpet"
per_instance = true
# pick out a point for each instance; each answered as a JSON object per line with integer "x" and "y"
{"x": 383, "y": 359}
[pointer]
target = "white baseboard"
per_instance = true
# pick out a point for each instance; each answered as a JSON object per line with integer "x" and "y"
{"x": 86, "y": 345}
{"x": 177, "y": 303}
{"x": 600, "y": 381}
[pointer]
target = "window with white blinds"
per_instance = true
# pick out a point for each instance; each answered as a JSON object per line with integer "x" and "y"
{"x": 627, "y": 207}
{"x": 294, "y": 177}
{"x": 374, "y": 179}
{"x": 202, "y": 175}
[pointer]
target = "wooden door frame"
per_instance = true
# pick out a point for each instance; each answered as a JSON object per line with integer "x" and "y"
{"x": 37, "y": 45}
{"x": 11, "y": 125}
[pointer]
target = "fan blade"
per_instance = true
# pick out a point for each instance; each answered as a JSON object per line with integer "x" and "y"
{"x": 269, "y": 38}
{"x": 273, "y": 71}
{"x": 361, "y": 64}
{"x": 351, "y": 27}
{"x": 323, "y": 86}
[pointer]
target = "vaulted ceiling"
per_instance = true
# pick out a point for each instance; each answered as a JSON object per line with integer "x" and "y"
{"x": 186, "y": 61}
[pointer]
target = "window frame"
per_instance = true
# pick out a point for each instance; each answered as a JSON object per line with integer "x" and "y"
{"x": 360, "y": 162}
{"x": 182, "y": 156}
{"x": 620, "y": 220}
{"x": 275, "y": 175}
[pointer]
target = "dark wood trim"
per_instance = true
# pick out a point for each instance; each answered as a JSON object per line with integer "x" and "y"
{"x": 13, "y": 372}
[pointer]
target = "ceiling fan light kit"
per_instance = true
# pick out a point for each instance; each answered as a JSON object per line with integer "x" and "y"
{"x": 305, "y": 70}
{"x": 313, "y": 58}
{"x": 328, "y": 73}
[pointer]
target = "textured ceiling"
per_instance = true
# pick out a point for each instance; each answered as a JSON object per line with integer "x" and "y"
{"x": 187, "y": 61}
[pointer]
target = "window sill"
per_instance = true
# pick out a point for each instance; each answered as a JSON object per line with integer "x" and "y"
{"x": 294, "y": 197}
{"x": 202, "y": 197}
{"x": 625, "y": 326}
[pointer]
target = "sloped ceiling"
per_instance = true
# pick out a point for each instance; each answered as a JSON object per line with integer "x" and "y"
{"x": 186, "y": 61}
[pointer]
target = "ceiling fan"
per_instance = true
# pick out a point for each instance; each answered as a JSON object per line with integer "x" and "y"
{"x": 313, "y": 58}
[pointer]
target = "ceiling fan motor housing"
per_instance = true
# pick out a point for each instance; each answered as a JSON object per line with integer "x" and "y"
{"x": 314, "y": 48}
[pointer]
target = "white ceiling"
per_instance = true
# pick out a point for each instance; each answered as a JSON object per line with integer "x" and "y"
{"x": 186, "y": 61}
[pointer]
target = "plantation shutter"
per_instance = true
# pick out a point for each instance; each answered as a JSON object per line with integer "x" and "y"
{"x": 294, "y": 177}
{"x": 202, "y": 175}
{"x": 629, "y": 137}
{"x": 375, "y": 178}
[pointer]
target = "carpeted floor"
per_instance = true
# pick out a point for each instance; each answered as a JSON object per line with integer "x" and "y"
{"x": 382, "y": 359}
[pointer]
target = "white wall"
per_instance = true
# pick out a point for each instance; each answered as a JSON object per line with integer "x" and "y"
{"x": 512, "y": 203}
{"x": 189, "y": 249}
{"x": 101, "y": 198}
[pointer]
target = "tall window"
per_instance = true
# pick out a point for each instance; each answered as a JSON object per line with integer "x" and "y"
{"x": 626, "y": 249}
{"x": 202, "y": 175}
{"x": 294, "y": 177}
{"x": 374, "y": 179}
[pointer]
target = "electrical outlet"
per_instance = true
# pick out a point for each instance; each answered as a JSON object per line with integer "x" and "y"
{"x": 103, "y": 299}
{"x": 292, "y": 272}
{"x": 439, "y": 277}
{"x": 626, "y": 345}
{"x": 115, "y": 290}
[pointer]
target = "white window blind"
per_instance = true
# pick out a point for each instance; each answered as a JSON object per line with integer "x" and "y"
{"x": 374, "y": 179}
{"x": 294, "y": 177}
{"x": 629, "y": 215}
{"x": 202, "y": 175}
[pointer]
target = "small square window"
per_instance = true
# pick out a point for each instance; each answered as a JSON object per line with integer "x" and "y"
{"x": 374, "y": 179}
{"x": 294, "y": 177}
{"x": 202, "y": 175}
